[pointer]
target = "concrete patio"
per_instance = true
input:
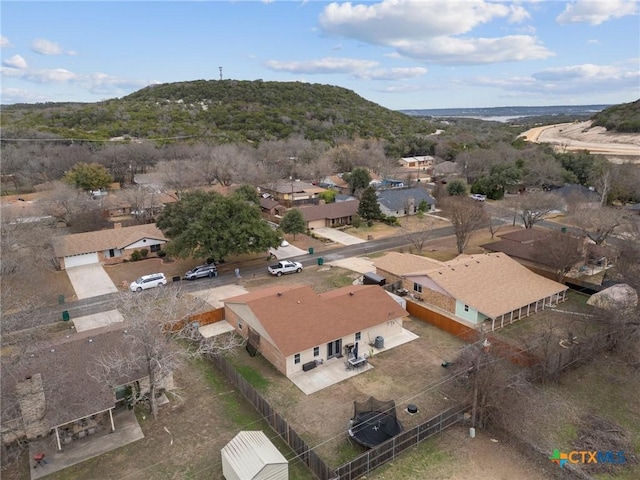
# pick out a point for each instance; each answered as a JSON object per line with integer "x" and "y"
{"x": 127, "y": 431}
{"x": 334, "y": 370}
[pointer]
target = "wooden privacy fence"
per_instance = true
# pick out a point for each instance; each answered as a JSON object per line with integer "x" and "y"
{"x": 387, "y": 451}
{"x": 202, "y": 319}
{"x": 317, "y": 466}
{"x": 443, "y": 322}
{"x": 470, "y": 335}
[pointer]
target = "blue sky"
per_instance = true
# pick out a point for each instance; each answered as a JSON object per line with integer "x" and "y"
{"x": 399, "y": 54}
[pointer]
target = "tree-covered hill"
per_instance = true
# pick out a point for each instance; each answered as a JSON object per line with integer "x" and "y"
{"x": 624, "y": 118}
{"x": 219, "y": 111}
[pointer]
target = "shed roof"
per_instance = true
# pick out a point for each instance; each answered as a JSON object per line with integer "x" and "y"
{"x": 100, "y": 240}
{"x": 249, "y": 452}
{"x": 318, "y": 318}
{"x": 400, "y": 263}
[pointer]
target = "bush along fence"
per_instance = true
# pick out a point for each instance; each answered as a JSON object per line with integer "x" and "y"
{"x": 317, "y": 466}
{"x": 389, "y": 450}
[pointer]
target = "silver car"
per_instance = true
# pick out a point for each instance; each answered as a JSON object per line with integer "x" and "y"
{"x": 201, "y": 271}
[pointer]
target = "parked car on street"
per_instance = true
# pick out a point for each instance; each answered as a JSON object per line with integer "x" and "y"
{"x": 209, "y": 270}
{"x": 148, "y": 281}
{"x": 285, "y": 266}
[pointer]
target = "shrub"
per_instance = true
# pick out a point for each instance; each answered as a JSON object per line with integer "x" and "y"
{"x": 162, "y": 254}
{"x": 356, "y": 221}
{"x": 136, "y": 255}
{"x": 144, "y": 253}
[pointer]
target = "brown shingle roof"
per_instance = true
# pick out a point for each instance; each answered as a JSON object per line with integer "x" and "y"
{"x": 402, "y": 263}
{"x": 89, "y": 242}
{"x": 70, "y": 392}
{"x": 493, "y": 283}
{"x": 300, "y": 319}
{"x": 330, "y": 210}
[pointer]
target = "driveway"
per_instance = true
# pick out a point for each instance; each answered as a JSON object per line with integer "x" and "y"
{"x": 338, "y": 236}
{"x": 287, "y": 252}
{"x": 90, "y": 281}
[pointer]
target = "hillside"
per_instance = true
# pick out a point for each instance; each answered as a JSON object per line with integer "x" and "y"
{"x": 220, "y": 111}
{"x": 623, "y": 118}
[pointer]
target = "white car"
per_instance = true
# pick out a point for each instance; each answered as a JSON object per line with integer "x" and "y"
{"x": 148, "y": 281}
{"x": 285, "y": 266}
{"x": 478, "y": 197}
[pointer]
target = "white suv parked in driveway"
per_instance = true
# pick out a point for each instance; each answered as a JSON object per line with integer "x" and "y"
{"x": 148, "y": 281}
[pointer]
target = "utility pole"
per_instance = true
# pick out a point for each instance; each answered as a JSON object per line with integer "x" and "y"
{"x": 484, "y": 345}
{"x": 220, "y": 68}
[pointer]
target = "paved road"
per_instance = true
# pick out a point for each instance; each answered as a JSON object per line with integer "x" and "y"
{"x": 93, "y": 305}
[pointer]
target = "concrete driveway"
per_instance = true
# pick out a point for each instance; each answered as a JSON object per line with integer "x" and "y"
{"x": 338, "y": 236}
{"x": 287, "y": 252}
{"x": 90, "y": 281}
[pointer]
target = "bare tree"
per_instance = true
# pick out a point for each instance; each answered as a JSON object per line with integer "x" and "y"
{"x": 153, "y": 322}
{"x": 561, "y": 251}
{"x": 419, "y": 237}
{"x": 64, "y": 203}
{"x": 599, "y": 223}
{"x": 466, "y": 215}
{"x": 535, "y": 206}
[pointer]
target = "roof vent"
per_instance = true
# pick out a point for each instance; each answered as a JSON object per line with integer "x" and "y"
{"x": 351, "y": 294}
{"x": 279, "y": 294}
{"x": 53, "y": 350}
{"x": 90, "y": 340}
{"x": 298, "y": 302}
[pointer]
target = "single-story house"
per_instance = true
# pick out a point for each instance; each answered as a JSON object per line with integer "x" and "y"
{"x": 527, "y": 247}
{"x": 419, "y": 161}
{"x": 444, "y": 169}
{"x": 291, "y": 325}
{"x": 107, "y": 246}
{"x": 335, "y": 182}
{"x": 334, "y": 214}
{"x": 270, "y": 206}
{"x": 474, "y": 289}
{"x": 250, "y": 455}
{"x": 404, "y": 201}
{"x": 50, "y": 389}
{"x": 573, "y": 196}
{"x": 293, "y": 193}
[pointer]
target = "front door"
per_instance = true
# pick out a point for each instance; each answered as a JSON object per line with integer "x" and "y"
{"x": 334, "y": 348}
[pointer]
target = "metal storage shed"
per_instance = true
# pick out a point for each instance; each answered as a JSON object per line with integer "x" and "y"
{"x": 250, "y": 455}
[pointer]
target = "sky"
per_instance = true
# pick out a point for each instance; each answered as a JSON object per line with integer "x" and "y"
{"x": 414, "y": 54}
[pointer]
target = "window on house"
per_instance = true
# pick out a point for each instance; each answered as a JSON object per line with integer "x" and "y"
{"x": 466, "y": 308}
{"x": 155, "y": 248}
{"x": 358, "y": 336}
{"x": 296, "y": 358}
{"x": 112, "y": 253}
{"x": 316, "y": 351}
{"x": 417, "y": 287}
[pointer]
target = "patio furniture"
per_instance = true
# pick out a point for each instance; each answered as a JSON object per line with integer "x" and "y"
{"x": 357, "y": 362}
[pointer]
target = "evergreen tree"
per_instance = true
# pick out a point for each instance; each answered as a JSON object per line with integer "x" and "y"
{"x": 369, "y": 208}
{"x": 88, "y": 176}
{"x": 293, "y": 222}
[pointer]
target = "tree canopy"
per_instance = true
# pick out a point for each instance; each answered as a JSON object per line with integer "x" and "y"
{"x": 207, "y": 224}
{"x": 88, "y": 176}
{"x": 293, "y": 222}
{"x": 369, "y": 208}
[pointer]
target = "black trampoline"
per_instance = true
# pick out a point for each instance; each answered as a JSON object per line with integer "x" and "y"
{"x": 374, "y": 422}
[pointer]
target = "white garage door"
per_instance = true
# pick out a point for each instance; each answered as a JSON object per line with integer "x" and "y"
{"x": 77, "y": 260}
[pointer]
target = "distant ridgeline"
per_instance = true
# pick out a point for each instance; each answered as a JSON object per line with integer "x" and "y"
{"x": 509, "y": 112}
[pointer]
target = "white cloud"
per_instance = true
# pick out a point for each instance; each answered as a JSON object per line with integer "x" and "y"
{"x": 4, "y": 42}
{"x": 323, "y": 65}
{"x": 391, "y": 73}
{"x": 573, "y": 79}
{"x": 597, "y": 12}
{"x": 47, "y": 47}
{"x": 433, "y": 30}
{"x": 15, "y": 62}
{"x": 459, "y": 51}
{"x": 104, "y": 84}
